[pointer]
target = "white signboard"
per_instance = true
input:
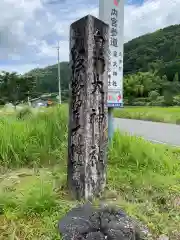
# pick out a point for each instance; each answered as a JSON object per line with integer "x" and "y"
{"x": 112, "y": 13}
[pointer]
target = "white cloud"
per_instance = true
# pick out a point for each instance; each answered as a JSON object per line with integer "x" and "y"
{"x": 22, "y": 68}
{"x": 150, "y": 16}
{"x": 29, "y": 31}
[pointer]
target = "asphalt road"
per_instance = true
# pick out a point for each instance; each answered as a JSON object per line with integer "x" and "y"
{"x": 163, "y": 133}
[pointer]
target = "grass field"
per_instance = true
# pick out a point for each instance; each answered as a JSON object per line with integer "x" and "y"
{"x": 143, "y": 178}
{"x": 157, "y": 114}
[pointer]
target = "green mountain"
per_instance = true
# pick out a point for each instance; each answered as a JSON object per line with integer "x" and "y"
{"x": 158, "y": 51}
{"x": 47, "y": 79}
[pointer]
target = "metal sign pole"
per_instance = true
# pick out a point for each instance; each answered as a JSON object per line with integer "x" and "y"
{"x": 110, "y": 123}
{"x": 112, "y": 13}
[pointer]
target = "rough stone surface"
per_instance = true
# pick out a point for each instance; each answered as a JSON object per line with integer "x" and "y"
{"x": 163, "y": 237}
{"x": 88, "y": 107}
{"x": 85, "y": 222}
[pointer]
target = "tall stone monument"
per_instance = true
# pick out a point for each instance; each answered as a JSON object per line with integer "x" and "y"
{"x": 88, "y": 125}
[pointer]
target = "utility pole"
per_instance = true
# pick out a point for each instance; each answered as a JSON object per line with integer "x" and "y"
{"x": 59, "y": 74}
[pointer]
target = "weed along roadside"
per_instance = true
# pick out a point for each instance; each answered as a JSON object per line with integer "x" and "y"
{"x": 155, "y": 114}
{"x": 142, "y": 178}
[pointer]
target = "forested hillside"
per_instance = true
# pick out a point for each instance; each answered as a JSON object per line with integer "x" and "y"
{"x": 151, "y": 63}
{"x": 47, "y": 79}
{"x": 151, "y": 73}
{"x": 160, "y": 49}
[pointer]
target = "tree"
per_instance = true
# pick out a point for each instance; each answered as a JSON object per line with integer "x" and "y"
{"x": 141, "y": 84}
{"x": 15, "y": 88}
{"x": 47, "y": 79}
{"x": 168, "y": 98}
{"x": 153, "y": 95}
{"x": 176, "y": 78}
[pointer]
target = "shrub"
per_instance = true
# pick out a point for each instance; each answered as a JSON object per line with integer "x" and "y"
{"x": 158, "y": 102}
{"x": 176, "y": 100}
{"x": 24, "y": 113}
{"x": 168, "y": 98}
{"x": 153, "y": 95}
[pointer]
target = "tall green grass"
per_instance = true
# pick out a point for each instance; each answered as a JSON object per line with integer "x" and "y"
{"x": 138, "y": 165}
{"x": 157, "y": 114}
{"x": 146, "y": 178}
{"x": 38, "y": 138}
{"x": 143, "y": 178}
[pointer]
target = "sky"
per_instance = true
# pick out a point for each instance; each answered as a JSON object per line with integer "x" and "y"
{"x": 30, "y": 29}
